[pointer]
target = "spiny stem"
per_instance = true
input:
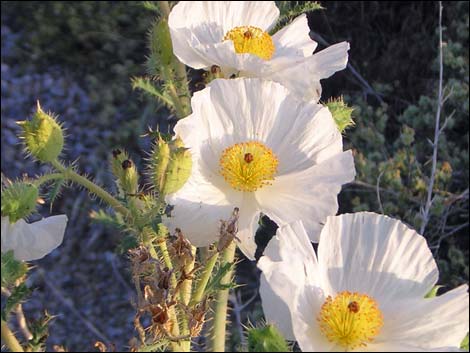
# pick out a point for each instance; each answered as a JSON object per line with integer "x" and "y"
{"x": 220, "y": 312}
{"x": 179, "y": 93}
{"x": 175, "y": 331}
{"x": 70, "y": 174}
{"x": 205, "y": 277}
{"x": 48, "y": 177}
{"x": 9, "y": 339}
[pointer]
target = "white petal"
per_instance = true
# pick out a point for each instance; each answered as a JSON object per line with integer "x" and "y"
{"x": 195, "y": 23}
{"x": 243, "y": 109}
{"x": 303, "y": 77}
{"x": 198, "y": 208}
{"x": 309, "y": 195}
{"x": 294, "y": 40}
{"x": 247, "y": 225}
{"x": 312, "y": 136}
{"x": 429, "y": 323}
{"x": 376, "y": 255}
{"x": 308, "y": 302}
{"x": 33, "y": 241}
{"x": 289, "y": 264}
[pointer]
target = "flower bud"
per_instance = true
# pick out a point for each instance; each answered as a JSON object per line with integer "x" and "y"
{"x": 19, "y": 200}
{"x": 341, "y": 113}
{"x": 43, "y": 136}
{"x": 266, "y": 339}
{"x": 127, "y": 177}
{"x": 170, "y": 165}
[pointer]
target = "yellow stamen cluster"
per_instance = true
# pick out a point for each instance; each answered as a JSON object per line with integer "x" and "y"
{"x": 350, "y": 320}
{"x": 251, "y": 40}
{"x": 248, "y": 166}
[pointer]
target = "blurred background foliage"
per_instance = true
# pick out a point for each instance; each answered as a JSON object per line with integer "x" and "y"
{"x": 77, "y": 58}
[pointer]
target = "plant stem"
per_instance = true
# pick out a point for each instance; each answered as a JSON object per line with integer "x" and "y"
{"x": 220, "y": 312}
{"x": 179, "y": 93}
{"x": 205, "y": 276}
{"x": 70, "y": 174}
{"x": 9, "y": 339}
{"x": 48, "y": 177}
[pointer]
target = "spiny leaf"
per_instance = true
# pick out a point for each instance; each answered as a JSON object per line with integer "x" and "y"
{"x": 146, "y": 85}
{"x": 17, "y": 296}
{"x": 12, "y": 269}
{"x": 151, "y": 6}
{"x": 266, "y": 339}
{"x": 433, "y": 292}
{"x": 215, "y": 285}
{"x": 464, "y": 344}
{"x": 102, "y": 217}
{"x": 288, "y": 12}
{"x": 55, "y": 190}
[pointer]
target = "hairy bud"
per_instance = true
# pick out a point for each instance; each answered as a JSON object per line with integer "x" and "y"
{"x": 43, "y": 136}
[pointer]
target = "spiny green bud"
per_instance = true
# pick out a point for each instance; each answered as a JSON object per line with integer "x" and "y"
{"x": 341, "y": 113}
{"x": 19, "y": 200}
{"x": 170, "y": 165}
{"x": 160, "y": 42}
{"x": 127, "y": 177}
{"x": 266, "y": 339}
{"x": 43, "y": 136}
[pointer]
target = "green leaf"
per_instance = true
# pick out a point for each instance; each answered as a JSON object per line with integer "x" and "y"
{"x": 433, "y": 292}
{"x": 464, "y": 344}
{"x": 288, "y": 12}
{"x": 266, "y": 339}
{"x": 341, "y": 113}
{"x": 215, "y": 285}
{"x": 146, "y": 85}
{"x": 151, "y": 6}
{"x": 106, "y": 219}
{"x": 17, "y": 296}
{"x": 55, "y": 191}
{"x": 12, "y": 269}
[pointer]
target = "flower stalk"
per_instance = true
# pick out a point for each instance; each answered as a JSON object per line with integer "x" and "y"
{"x": 70, "y": 174}
{"x": 9, "y": 339}
{"x": 221, "y": 305}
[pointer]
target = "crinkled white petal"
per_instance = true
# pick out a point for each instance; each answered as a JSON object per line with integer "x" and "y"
{"x": 195, "y": 23}
{"x": 309, "y": 195}
{"x": 311, "y": 138}
{"x": 33, "y": 241}
{"x": 303, "y": 76}
{"x": 376, "y": 255}
{"x": 283, "y": 273}
{"x": 428, "y": 323}
{"x": 247, "y": 225}
{"x": 307, "y": 305}
{"x": 198, "y": 208}
{"x": 294, "y": 39}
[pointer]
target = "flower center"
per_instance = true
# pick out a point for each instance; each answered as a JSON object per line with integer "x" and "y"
{"x": 350, "y": 319}
{"x": 251, "y": 40}
{"x": 248, "y": 166}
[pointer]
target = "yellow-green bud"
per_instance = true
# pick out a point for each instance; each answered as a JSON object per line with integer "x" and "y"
{"x": 266, "y": 339}
{"x": 127, "y": 177}
{"x": 161, "y": 45}
{"x": 43, "y": 136}
{"x": 19, "y": 200}
{"x": 341, "y": 113}
{"x": 170, "y": 165}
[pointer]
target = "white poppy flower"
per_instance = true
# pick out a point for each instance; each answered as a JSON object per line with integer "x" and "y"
{"x": 33, "y": 241}
{"x": 257, "y": 147}
{"x": 364, "y": 293}
{"x": 234, "y": 36}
